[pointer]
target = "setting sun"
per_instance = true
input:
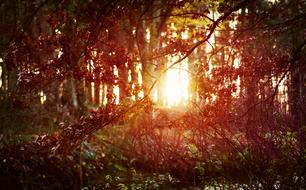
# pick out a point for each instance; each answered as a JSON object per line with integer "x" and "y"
{"x": 176, "y": 91}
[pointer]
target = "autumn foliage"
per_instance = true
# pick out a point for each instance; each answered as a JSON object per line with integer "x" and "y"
{"x": 83, "y": 102}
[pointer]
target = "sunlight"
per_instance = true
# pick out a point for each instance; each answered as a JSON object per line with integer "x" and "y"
{"x": 104, "y": 102}
{"x": 209, "y": 50}
{"x": 92, "y": 90}
{"x": 174, "y": 91}
{"x": 176, "y": 84}
{"x": 43, "y": 97}
{"x": 116, "y": 89}
{"x": 101, "y": 94}
{"x": 272, "y": 1}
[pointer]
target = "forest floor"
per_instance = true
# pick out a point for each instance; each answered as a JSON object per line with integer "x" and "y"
{"x": 153, "y": 154}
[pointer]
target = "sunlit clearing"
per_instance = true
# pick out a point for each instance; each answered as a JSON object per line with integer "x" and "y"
{"x": 176, "y": 84}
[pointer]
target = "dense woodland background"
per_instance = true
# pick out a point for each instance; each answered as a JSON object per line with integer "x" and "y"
{"x": 84, "y": 101}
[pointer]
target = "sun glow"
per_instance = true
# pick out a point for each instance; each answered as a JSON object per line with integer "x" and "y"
{"x": 43, "y": 97}
{"x": 176, "y": 84}
{"x": 173, "y": 90}
{"x": 116, "y": 89}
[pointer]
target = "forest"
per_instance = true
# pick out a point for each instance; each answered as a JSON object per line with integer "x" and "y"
{"x": 153, "y": 94}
